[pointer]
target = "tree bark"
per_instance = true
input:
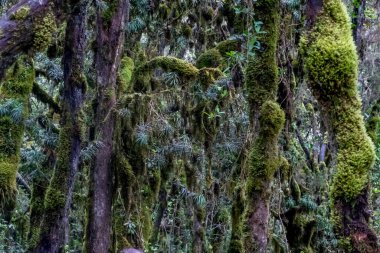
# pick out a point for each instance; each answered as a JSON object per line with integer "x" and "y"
{"x": 18, "y": 28}
{"x": 109, "y": 49}
{"x": 59, "y": 194}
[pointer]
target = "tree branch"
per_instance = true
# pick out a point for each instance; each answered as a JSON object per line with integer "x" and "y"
{"x": 44, "y": 97}
{"x": 18, "y": 29}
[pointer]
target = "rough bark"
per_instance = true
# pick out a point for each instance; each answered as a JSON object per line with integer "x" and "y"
{"x": 109, "y": 49}
{"x": 59, "y": 194}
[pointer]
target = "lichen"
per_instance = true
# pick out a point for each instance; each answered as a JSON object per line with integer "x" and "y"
{"x": 43, "y": 29}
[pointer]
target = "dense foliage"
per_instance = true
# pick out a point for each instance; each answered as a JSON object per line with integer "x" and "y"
{"x": 189, "y": 126}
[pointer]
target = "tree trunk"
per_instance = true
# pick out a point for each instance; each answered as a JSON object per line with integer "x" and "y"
{"x": 59, "y": 194}
{"x": 268, "y": 119}
{"x": 333, "y": 80}
{"x": 109, "y": 49}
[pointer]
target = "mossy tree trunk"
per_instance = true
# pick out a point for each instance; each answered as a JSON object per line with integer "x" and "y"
{"x": 109, "y": 49}
{"x": 268, "y": 118}
{"x": 40, "y": 185}
{"x": 14, "y": 95}
{"x": 331, "y": 63}
{"x": 59, "y": 194}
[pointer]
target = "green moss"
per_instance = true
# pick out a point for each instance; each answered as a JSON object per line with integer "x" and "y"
{"x": 186, "y": 30}
{"x": 125, "y": 75}
{"x": 164, "y": 11}
{"x": 55, "y": 195}
{"x": 236, "y": 243}
{"x": 110, "y": 10}
{"x": 21, "y": 13}
{"x": 169, "y": 63}
{"x": 43, "y": 28}
{"x": 262, "y": 70}
{"x": 332, "y": 63}
{"x": 228, "y": 46}
{"x": 210, "y": 59}
{"x": 263, "y": 158}
{"x": 16, "y": 87}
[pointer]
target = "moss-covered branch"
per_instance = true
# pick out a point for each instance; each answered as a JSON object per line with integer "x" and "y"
{"x": 44, "y": 97}
{"x": 332, "y": 63}
{"x": 27, "y": 27}
{"x": 168, "y": 63}
{"x": 186, "y": 70}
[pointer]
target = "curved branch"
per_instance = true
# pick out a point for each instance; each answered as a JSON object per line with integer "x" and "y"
{"x": 18, "y": 28}
{"x": 44, "y": 97}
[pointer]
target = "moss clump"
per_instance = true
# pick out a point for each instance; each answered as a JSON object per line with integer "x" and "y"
{"x": 186, "y": 31}
{"x": 169, "y": 63}
{"x": 43, "y": 28}
{"x": 264, "y": 159}
{"x": 16, "y": 87}
{"x": 21, "y": 13}
{"x": 228, "y": 46}
{"x": 125, "y": 75}
{"x": 210, "y": 59}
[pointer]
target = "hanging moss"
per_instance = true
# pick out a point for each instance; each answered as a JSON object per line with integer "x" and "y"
{"x": 125, "y": 76}
{"x": 331, "y": 62}
{"x": 16, "y": 87}
{"x": 43, "y": 28}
